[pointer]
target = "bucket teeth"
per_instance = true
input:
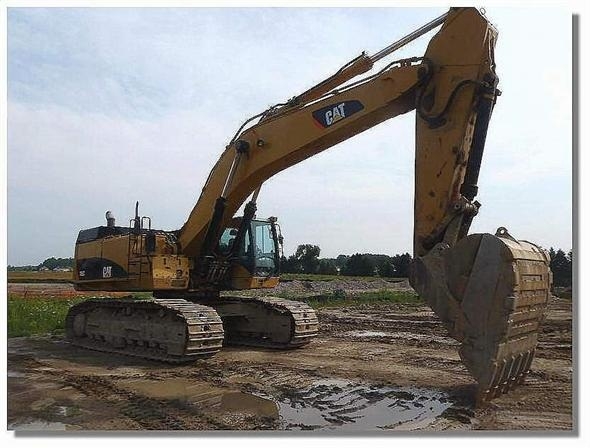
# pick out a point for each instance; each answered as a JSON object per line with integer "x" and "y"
{"x": 506, "y": 374}
{"x": 491, "y": 292}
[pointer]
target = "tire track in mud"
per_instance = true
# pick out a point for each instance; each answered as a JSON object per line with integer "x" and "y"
{"x": 269, "y": 380}
{"x": 447, "y": 365}
{"x": 418, "y": 328}
{"x": 147, "y": 413}
{"x": 419, "y": 322}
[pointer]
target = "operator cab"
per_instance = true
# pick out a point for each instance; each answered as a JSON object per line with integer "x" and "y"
{"x": 257, "y": 254}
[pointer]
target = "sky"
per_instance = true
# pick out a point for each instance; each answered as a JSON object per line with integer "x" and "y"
{"x": 107, "y": 106}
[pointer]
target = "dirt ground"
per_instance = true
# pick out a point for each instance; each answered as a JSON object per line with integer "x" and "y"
{"x": 373, "y": 367}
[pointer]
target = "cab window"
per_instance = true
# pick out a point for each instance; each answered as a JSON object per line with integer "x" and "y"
{"x": 227, "y": 240}
{"x": 265, "y": 249}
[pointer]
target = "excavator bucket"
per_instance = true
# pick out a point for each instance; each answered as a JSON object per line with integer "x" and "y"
{"x": 491, "y": 292}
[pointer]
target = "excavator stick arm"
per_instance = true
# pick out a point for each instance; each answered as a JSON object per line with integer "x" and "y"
{"x": 453, "y": 110}
{"x": 489, "y": 290}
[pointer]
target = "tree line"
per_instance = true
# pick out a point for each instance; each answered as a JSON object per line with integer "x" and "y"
{"x": 561, "y": 266}
{"x": 306, "y": 260}
{"x": 49, "y": 263}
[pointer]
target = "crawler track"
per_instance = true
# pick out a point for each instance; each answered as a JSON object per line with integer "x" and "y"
{"x": 169, "y": 330}
{"x": 267, "y": 321}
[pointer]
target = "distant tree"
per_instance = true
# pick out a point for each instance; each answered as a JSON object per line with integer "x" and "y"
{"x": 327, "y": 267}
{"x": 561, "y": 266}
{"x": 307, "y": 256}
{"x": 284, "y": 264}
{"x": 359, "y": 264}
{"x": 54, "y": 263}
{"x": 305, "y": 260}
{"x": 49, "y": 263}
{"x": 386, "y": 269}
{"x": 341, "y": 260}
{"x": 402, "y": 264}
{"x": 290, "y": 265}
{"x": 378, "y": 259}
{"x": 22, "y": 268}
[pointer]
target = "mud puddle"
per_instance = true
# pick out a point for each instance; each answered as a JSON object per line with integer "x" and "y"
{"x": 345, "y": 406}
{"x": 325, "y": 405}
{"x": 203, "y": 395}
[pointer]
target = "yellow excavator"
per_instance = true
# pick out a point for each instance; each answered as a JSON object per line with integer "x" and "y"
{"x": 489, "y": 290}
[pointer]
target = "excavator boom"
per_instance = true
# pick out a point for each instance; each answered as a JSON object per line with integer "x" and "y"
{"x": 453, "y": 90}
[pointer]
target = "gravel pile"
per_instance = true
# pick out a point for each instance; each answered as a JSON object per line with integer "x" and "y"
{"x": 302, "y": 288}
{"x": 321, "y": 287}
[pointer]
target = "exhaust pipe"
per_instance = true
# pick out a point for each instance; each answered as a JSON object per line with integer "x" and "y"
{"x": 110, "y": 218}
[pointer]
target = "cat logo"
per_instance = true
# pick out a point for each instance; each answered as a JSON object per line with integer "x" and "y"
{"x": 334, "y": 113}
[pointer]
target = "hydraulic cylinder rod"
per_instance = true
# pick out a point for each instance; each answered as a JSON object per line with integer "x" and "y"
{"x": 363, "y": 64}
{"x": 409, "y": 38}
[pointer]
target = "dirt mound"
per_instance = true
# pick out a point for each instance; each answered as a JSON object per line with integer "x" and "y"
{"x": 54, "y": 291}
{"x": 300, "y": 288}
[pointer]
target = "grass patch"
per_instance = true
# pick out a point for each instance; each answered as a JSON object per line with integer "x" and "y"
{"x": 562, "y": 292}
{"x": 565, "y": 295}
{"x": 384, "y": 297}
{"x": 36, "y": 316}
{"x": 27, "y": 317}
{"x": 39, "y": 277}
